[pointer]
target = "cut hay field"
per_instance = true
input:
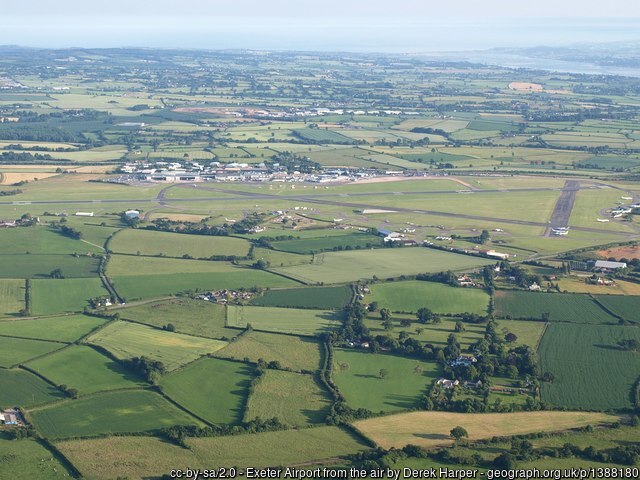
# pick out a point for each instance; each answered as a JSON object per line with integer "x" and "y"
{"x": 627, "y": 307}
{"x": 126, "y": 340}
{"x": 431, "y": 429}
{"x": 578, "y": 285}
{"x": 572, "y": 308}
{"x": 24, "y": 389}
{"x": 356, "y": 373}
{"x": 14, "y": 351}
{"x": 590, "y": 370}
{"x": 293, "y": 398}
{"x": 339, "y": 267}
{"x": 215, "y": 390}
{"x": 85, "y": 369}
{"x": 193, "y": 317}
{"x": 29, "y": 459}
{"x": 440, "y": 298}
{"x": 143, "y": 457}
{"x": 149, "y": 242}
{"x": 111, "y": 412}
{"x": 11, "y": 297}
{"x": 308, "y": 297}
{"x": 297, "y": 353}
{"x": 64, "y": 329}
{"x": 41, "y": 265}
{"x": 283, "y": 320}
{"x": 49, "y": 296}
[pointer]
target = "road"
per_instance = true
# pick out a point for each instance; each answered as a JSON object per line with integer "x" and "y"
{"x": 564, "y": 206}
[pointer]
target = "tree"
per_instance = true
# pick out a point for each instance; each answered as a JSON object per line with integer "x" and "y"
{"x": 373, "y": 306}
{"x": 385, "y": 314}
{"x": 510, "y": 337}
{"x": 383, "y": 373}
{"x": 424, "y": 315}
{"x": 484, "y": 236}
{"x": 57, "y": 273}
{"x": 505, "y": 461}
{"x": 388, "y": 324}
{"x": 459, "y": 432}
{"x": 459, "y": 326}
{"x": 170, "y": 327}
{"x": 629, "y": 344}
{"x": 405, "y": 322}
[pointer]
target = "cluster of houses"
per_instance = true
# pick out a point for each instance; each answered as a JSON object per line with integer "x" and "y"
{"x": 225, "y": 296}
{"x": 448, "y": 384}
{"x": 463, "y": 361}
{"x": 11, "y": 416}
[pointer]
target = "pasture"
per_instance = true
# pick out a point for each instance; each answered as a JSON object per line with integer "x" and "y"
{"x": 85, "y": 369}
{"x": 346, "y": 266}
{"x": 64, "y": 295}
{"x": 111, "y": 412}
{"x": 297, "y": 353}
{"x": 431, "y": 429}
{"x": 24, "y": 389}
{"x": 627, "y": 307}
{"x": 14, "y": 351}
{"x": 11, "y": 297}
{"x": 357, "y": 375}
{"x": 438, "y": 297}
{"x": 149, "y": 242}
{"x": 293, "y": 398}
{"x": 572, "y": 308}
{"x": 29, "y": 459}
{"x": 319, "y": 244}
{"x": 41, "y": 265}
{"x": 64, "y": 329}
{"x": 283, "y": 320}
{"x": 213, "y": 389}
{"x": 591, "y": 372}
{"x": 137, "y": 457}
{"x": 193, "y": 317}
{"x": 309, "y": 297}
{"x": 42, "y": 240}
{"x": 127, "y": 340}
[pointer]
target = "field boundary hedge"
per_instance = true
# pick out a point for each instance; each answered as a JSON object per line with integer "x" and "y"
{"x": 60, "y": 456}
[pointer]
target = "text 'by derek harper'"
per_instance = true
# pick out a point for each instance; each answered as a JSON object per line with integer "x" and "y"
{"x": 391, "y": 473}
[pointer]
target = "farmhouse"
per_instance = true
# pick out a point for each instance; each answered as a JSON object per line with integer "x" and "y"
{"x": 10, "y": 417}
{"x": 447, "y": 384}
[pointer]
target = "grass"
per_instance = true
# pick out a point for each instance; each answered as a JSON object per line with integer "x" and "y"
{"x": 590, "y": 370}
{"x": 560, "y": 307}
{"x": 21, "y": 388}
{"x": 357, "y": 375}
{"x": 85, "y": 369}
{"x": 297, "y": 353}
{"x": 63, "y": 329}
{"x": 293, "y": 398}
{"x": 578, "y": 285}
{"x": 14, "y": 351}
{"x": 11, "y": 297}
{"x": 64, "y": 295}
{"x": 29, "y": 459}
{"x": 149, "y": 242}
{"x": 528, "y": 332}
{"x": 627, "y": 307}
{"x": 431, "y": 429}
{"x": 41, "y": 240}
{"x": 283, "y": 320}
{"x": 213, "y": 389}
{"x": 318, "y": 244}
{"x": 440, "y": 298}
{"x": 309, "y": 297}
{"x": 145, "y": 457}
{"x": 339, "y": 267}
{"x": 193, "y": 317}
{"x": 112, "y": 412}
{"x": 41, "y": 266}
{"x": 126, "y": 340}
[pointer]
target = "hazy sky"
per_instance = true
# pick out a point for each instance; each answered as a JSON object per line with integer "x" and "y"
{"x": 386, "y": 25}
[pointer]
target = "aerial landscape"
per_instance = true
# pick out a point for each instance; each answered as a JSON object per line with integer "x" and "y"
{"x": 319, "y": 262}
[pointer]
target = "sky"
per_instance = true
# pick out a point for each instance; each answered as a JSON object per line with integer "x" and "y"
{"x": 358, "y": 25}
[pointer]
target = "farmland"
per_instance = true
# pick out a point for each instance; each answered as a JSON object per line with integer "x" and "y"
{"x": 29, "y": 459}
{"x": 64, "y": 295}
{"x": 319, "y": 244}
{"x": 626, "y": 307}
{"x": 14, "y": 351}
{"x": 11, "y": 297}
{"x": 23, "y": 388}
{"x": 283, "y": 320}
{"x": 127, "y": 340}
{"x": 310, "y": 297}
{"x": 580, "y": 357}
{"x": 41, "y": 266}
{"x": 63, "y": 329}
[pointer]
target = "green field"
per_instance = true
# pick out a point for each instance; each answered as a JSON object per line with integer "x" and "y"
{"x": 11, "y": 297}
{"x": 193, "y": 317}
{"x": 21, "y": 388}
{"x": 14, "y": 351}
{"x": 573, "y": 308}
{"x": 283, "y": 320}
{"x": 338, "y": 267}
{"x": 590, "y": 370}
{"x": 64, "y": 329}
{"x": 42, "y": 240}
{"x": 309, "y": 297}
{"x": 357, "y": 375}
{"x": 215, "y": 390}
{"x": 319, "y": 244}
{"x": 322, "y": 135}
{"x": 85, "y": 369}
{"x": 625, "y": 306}
{"x": 297, "y": 353}
{"x": 41, "y": 266}
{"x": 29, "y": 459}
{"x": 111, "y": 412}
{"x": 64, "y": 295}
{"x": 293, "y": 398}
{"x": 143, "y": 457}
{"x": 438, "y": 297}
{"x": 127, "y": 340}
{"x": 149, "y": 242}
